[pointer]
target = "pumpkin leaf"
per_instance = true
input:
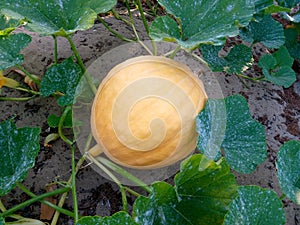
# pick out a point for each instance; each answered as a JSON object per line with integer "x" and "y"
{"x": 277, "y": 67}
{"x": 291, "y": 42}
{"x": 288, "y": 170}
{"x": 255, "y": 205}
{"x": 226, "y": 125}
{"x": 239, "y": 58}
{"x": 118, "y": 218}
{"x": 261, "y": 5}
{"x": 18, "y": 147}
{"x": 204, "y": 189}
{"x": 201, "y": 21}
{"x": 159, "y": 207}
{"x": 288, "y": 3}
{"x": 50, "y": 16}
{"x": 267, "y": 31}
{"x": 10, "y": 47}
{"x": 62, "y": 77}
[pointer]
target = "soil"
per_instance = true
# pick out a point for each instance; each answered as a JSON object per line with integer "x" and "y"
{"x": 278, "y": 109}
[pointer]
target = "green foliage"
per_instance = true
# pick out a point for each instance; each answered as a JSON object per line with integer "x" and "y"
{"x": 64, "y": 78}
{"x": 288, "y": 3}
{"x": 159, "y": 207}
{"x": 239, "y": 58}
{"x": 267, "y": 31}
{"x": 50, "y": 16}
{"x": 288, "y": 168}
{"x": 53, "y": 120}
{"x": 203, "y": 190}
{"x": 277, "y": 67}
{"x": 10, "y": 48}
{"x": 226, "y": 124}
{"x": 19, "y": 147}
{"x": 118, "y": 218}
{"x": 202, "y": 24}
{"x": 292, "y": 43}
{"x": 255, "y": 205}
{"x": 8, "y": 25}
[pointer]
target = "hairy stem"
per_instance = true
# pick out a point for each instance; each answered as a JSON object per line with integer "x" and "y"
{"x": 34, "y": 79}
{"x": 73, "y": 178}
{"x": 64, "y": 196}
{"x": 82, "y": 66}
{"x": 118, "y": 35}
{"x": 16, "y": 99}
{"x": 124, "y": 173}
{"x": 60, "y": 125}
{"x": 33, "y": 200}
{"x": 55, "y": 49}
{"x": 32, "y": 195}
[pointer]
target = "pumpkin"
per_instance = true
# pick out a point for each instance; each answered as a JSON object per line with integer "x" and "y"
{"x": 143, "y": 115}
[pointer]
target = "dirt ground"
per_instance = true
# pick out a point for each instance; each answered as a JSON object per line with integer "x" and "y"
{"x": 276, "y": 108}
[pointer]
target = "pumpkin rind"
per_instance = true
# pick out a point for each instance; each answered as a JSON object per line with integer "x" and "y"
{"x": 143, "y": 115}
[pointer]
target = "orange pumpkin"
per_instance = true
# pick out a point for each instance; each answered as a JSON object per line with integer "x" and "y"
{"x": 143, "y": 115}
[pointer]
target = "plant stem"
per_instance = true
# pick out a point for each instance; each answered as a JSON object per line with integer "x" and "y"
{"x": 114, "y": 178}
{"x": 2, "y": 207}
{"x": 74, "y": 195}
{"x": 124, "y": 173}
{"x": 33, "y": 200}
{"x": 118, "y": 35}
{"x": 55, "y": 49}
{"x": 28, "y": 74}
{"x": 118, "y": 17}
{"x": 132, "y": 191}
{"x": 64, "y": 196}
{"x": 251, "y": 78}
{"x": 16, "y": 99}
{"x": 199, "y": 58}
{"x": 20, "y": 88}
{"x": 140, "y": 8}
{"x": 80, "y": 62}
{"x": 32, "y": 195}
{"x": 60, "y": 125}
{"x": 174, "y": 52}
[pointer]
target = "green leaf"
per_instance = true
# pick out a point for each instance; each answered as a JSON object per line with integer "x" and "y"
{"x": 50, "y": 16}
{"x": 159, "y": 207}
{"x": 288, "y": 170}
{"x": 201, "y": 21}
{"x": 255, "y": 205}
{"x": 7, "y": 25}
{"x": 267, "y": 31}
{"x": 276, "y": 9}
{"x": 238, "y": 59}
{"x": 164, "y": 28}
{"x": 18, "y": 147}
{"x": 118, "y": 218}
{"x": 226, "y": 124}
{"x": 292, "y": 43}
{"x": 204, "y": 189}
{"x": 260, "y": 5}
{"x": 10, "y": 47}
{"x": 288, "y": 3}
{"x": 2, "y": 222}
{"x": 277, "y": 67}
{"x": 53, "y": 120}
{"x": 62, "y": 77}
